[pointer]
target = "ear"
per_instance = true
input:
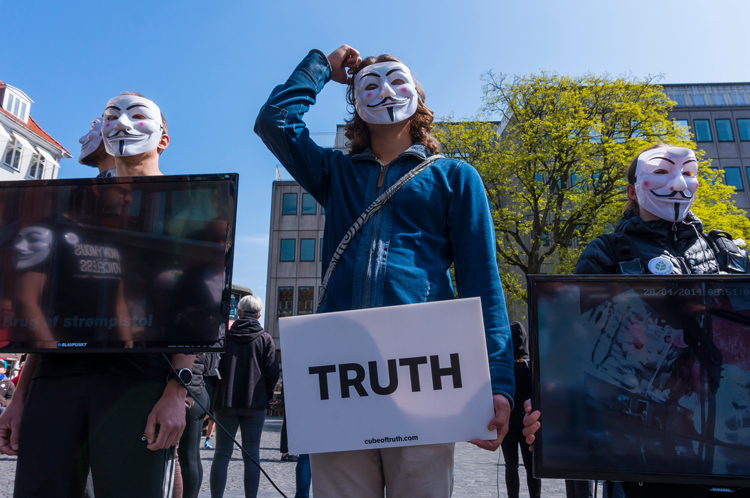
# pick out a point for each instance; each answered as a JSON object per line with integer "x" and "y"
{"x": 163, "y": 143}
{"x": 631, "y": 192}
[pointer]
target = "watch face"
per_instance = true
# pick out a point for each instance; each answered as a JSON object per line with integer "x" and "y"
{"x": 186, "y": 375}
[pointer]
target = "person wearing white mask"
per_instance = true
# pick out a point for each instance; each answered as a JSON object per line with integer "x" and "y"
{"x": 402, "y": 255}
{"x": 657, "y": 235}
{"x": 112, "y": 412}
{"x": 93, "y": 152}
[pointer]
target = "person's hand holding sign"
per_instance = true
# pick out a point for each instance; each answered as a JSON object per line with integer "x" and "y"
{"x": 499, "y": 422}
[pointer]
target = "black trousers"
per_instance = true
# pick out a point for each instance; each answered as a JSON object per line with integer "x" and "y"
{"x": 510, "y": 445}
{"x": 71, "y": 423}
{"x": 189, "y": 451}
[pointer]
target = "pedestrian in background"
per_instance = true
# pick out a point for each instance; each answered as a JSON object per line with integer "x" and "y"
{"x": 515, "y": 437}
{"x": 249, "y": 371}
{"x": 6, "y": 386}
{"x": 188, "y": 451}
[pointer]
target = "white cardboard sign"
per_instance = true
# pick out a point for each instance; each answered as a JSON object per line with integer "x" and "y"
{"x": 386, "y": 377}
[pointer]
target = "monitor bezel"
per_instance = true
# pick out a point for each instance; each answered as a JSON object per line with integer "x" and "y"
{"x": 709, "y": 480}
{"x": 163, "y": 346}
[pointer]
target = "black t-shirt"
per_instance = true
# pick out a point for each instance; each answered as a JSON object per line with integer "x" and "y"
{"x": 85, "y": 284}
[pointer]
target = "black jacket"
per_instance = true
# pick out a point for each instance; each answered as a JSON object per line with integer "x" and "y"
{"x": 7, "y": 388}
{"x": 683, "y": 244}
{"x": 249, "y": 369}
{"x": 201, "y": 367}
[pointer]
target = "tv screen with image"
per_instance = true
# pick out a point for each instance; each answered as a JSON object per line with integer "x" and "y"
{"x": 642, "y": 378}
{"x": 116, "y": 264}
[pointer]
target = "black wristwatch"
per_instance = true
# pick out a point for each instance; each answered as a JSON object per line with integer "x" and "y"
{"x": 185, "y": 376}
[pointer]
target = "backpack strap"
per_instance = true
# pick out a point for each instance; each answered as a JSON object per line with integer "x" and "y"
{"x": 731, "y": 258}
{"x": 364, "y": 217}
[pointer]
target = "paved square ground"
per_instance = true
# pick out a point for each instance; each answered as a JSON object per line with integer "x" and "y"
{"x": 478, "y": 473}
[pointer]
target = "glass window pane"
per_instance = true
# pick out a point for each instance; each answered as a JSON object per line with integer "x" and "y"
{"x": 724, "y": 130}
{"x": 702, "y": 130}
{"x": 734, "y": 178}
{"x": 305, "y": 301}
{"x": 307, "y": 250}
{"x": 286, "y": 301}
{"x": 679, "y": 99}
{"x": 718, "y": 99}
{"x": 9, "y": 107}
{"x": 743, "y": 125}
{"x": 738, "y": 99}
{"x": 321, "y": 249}
{"x": 290, "y": 204}
{"x": 683, "y": 124}
{"x": 309, "y": 205}
{"x": 698, "y": 100}
{"x": 287, "y": 250}
{"x": 23, "y": 111}
{"x": 15, "y": 107}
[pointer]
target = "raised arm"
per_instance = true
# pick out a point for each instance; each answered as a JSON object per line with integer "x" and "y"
{"x": 281, "y": 126}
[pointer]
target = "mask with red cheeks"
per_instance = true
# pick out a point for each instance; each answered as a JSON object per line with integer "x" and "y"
{"x": 666, "y": 179}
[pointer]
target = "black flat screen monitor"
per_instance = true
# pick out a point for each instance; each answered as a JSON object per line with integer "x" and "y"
{"x": 642, "y": 378}
{"x": 128, "y": 264}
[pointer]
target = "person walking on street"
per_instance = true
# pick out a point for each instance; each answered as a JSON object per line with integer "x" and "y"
{"x": 249, "y": 371}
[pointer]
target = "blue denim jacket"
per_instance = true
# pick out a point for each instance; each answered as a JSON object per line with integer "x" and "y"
{"x": 402, "y": 255}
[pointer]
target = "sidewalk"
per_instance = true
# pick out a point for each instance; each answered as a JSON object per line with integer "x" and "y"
{"x": 478, "y": 473}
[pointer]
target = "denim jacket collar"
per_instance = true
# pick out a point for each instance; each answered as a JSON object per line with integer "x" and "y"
{"x": 416, "y": 149}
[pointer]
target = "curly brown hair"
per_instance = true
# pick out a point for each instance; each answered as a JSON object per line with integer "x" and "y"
{"x": 356, "y": 128}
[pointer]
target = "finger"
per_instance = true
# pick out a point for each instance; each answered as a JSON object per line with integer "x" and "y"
{"x": 150, "y": 431}
{"x": 530, "y": 418}
{"x": 527, "y": 406}
{"x": 161, "y": 439}
{"x": 15, "y": 430}
{"x": 5, "y": 447}
{"x": 530, "y": 440}
{"x": 489, "y": 445}
{"x": 531, "y": 429}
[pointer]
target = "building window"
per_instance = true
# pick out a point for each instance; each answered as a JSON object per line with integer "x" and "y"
{"x": 719, "y": 100}
{"x": 743, "y": 126}
{"x": 679, "y": 99}
{"x": 307, "y": 250}
{"x": 322, "y": 210}
{"x": 305, "y": 301}
{"x": 684, "y": 126}
{"x": 289, "y": 204}
{"x": 287, "y": 250}
{"x": 738, "y": 99}
{"x": 724, "y": 130}
{"x": 734, "y": 178}
{"x": 309, "y": 204}
{"x": 702, "y": 130}
{"x": 698, "y": 100}
{"x": 13, "y": 154}
{"x": 37, "y": 167}
{"x": 321, "y": 249}
{"x": 286, "y": 301}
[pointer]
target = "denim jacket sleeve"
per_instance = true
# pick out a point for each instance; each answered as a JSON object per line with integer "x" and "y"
{"x": 280, "y": 126}
{"x": 472, "y": 237}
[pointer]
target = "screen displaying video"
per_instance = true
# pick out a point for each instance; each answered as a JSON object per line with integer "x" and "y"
{"x": 117, "y": 264}
{"x": 642, "y": 378}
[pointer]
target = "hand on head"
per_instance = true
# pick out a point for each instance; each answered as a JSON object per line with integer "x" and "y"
{"x": 342, "y": 60}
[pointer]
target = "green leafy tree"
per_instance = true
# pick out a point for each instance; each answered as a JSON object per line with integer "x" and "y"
{"x": 554, "y": 163}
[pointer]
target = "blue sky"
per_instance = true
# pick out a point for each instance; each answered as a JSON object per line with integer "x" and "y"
{"x": 211, "y": 65}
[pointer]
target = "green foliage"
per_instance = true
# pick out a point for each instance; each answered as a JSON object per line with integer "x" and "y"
{"x": 555, "y": 162}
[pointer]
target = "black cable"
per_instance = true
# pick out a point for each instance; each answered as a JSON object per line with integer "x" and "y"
{"x": 222, "y": 427}
{"x": 596, "y": 488}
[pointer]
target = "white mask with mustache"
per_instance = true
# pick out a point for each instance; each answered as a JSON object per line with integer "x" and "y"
{"x": 385, "y": 93}
{"x": 666, "y": 181}
{"x": 132, "y": 126}
{"x": 90, "y": 142}
{"x": 31, "y": 247}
